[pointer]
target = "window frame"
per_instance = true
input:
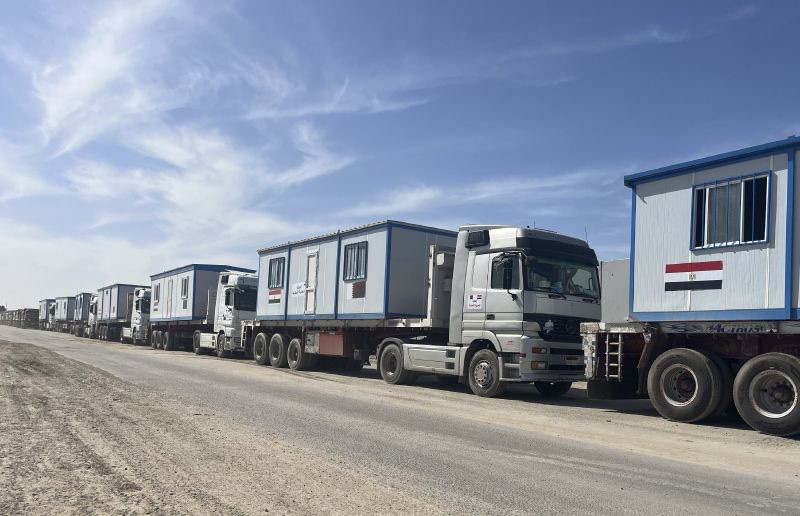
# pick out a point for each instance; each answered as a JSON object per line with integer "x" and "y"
{"x": 157, "y": 295}
{"x": 355, "y": 246}
{"x": 185, "y": 292}
{"x": 281, "y": 281}
{"x": 740, "y": 180}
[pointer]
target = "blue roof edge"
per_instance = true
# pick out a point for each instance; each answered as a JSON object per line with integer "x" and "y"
{"x": 718, "y": 159}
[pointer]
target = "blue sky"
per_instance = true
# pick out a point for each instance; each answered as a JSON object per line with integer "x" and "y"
{"x": 139, "y": 136}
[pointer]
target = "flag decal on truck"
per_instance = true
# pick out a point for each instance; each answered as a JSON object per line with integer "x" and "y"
{"x": 274, "y": 296}
{"x": 693, "y": 276}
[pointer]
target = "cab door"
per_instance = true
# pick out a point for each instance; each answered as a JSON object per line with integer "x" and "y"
{"x": 474, "y": 307}
{"x": 504, "y": 295}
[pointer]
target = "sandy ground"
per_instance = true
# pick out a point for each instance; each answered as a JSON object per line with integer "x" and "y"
{"x": 99, "y": 427}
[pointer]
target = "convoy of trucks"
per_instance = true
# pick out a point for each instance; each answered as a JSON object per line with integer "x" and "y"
{"x": 701, "y": 329}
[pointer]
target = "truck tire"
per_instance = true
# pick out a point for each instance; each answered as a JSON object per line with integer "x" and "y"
{"x": 392, "y": 369}
{"x": 297, "y": 357}
{"x": 684, "y": 385}
{"x": 161, "y": 339}
{"x": 484, "y": 374}
{"x": 726, "y": 392}
{"x": 169, "y": 341}
{"x": 767, "y": 394}
{"x": 154, "y": 339}
{"x": 552, "y": 389}
{"x": 278, "y": 347}
{"x": 261, "y": 349}
{"x": 196, "y": 343}
{"x": 221, "y": 351}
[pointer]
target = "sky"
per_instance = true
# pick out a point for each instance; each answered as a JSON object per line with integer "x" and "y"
{"x": 136, "y": 137}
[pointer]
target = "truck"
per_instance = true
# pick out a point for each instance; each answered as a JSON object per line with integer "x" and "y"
{"x": 64, "y": 314}
{"x": 20, "y": 318}
{"x": 114, "y": 310}
{"x": 707, "y": 317}
{"x": 486, "y": 306}
{"x": 139, "y": 329}
{"x": 80, "y": 318}
{"x": 193, "y": 304}
{"x": 46, "y": 313}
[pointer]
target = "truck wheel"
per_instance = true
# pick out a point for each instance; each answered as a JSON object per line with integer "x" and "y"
{"x": 767, "y": 393}
{"x": 297, "y": 357}
{"x": 154, "y": 339}
{"x": 161, "y": 339}
{"x": 392, "y": 369}
{"x": 726, "y": 391}
{"x": 261, "y": 349}
{"x": 484, "y": 374}
{"x": 552, "y": 389}
{"x": 196, "y": 343}
{"x": 169, "y": 341}
{"x": 221, "y": 351}
{"x": 277, "y": 350}
{"x": 684, "y": 385}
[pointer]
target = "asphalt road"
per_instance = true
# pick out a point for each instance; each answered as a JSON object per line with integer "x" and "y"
{"x": 463, "y": 454}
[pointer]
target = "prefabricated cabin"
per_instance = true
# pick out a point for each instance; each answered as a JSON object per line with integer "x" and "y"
{"x": 115, "y": 302}
{"x": 44, "y": 308}
{"x": 82, "y": 301}
{"x": 65, "y": 308}
{"x": 716, "y": 238}
{"x": 376, "y": 271}
{"x": 182, "y": 294}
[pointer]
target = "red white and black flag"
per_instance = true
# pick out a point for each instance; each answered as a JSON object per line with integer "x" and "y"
{"x": 693, "y": 276}
{"x": 274, "y": 296}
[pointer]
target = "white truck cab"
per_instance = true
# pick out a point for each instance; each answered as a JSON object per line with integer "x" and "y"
{"x": 137, "y": 332}
{"x": 233, "y": 301}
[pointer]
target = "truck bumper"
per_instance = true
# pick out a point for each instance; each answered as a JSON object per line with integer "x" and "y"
{"x": 549, "y": 361}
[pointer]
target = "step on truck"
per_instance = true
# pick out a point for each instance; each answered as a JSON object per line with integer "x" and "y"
{"x": 114, "y": 310}
{"x": 198, "y": 305}
{"x": 704, "y": 318}
{"x": 486, "y": 306}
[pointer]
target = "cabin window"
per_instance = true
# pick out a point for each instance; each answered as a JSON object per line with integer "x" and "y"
{"x": 185, "y": 291}
{"x": 355, "y": 261}
{"x": 276, "y": 268}
{"x": 731, "y": 212}
{"x": 156, "y": 295}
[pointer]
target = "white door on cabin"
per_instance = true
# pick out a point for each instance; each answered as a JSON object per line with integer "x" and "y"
{"x": 312, "y": 262}
{"x": 169, "y": 298}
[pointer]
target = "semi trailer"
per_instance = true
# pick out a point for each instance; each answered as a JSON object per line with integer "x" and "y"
{"x": 64, "y": 314}
{"x": 195, "y": 302}
{"x": 46, "y": 313}
{"x": 711, "y": 322}
{"x": 486, "y": 306}
{"x": 20, "y": 318}
{"x": 114, "y": 310}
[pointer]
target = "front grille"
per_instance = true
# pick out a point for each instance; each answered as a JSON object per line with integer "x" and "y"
{"x": 559, "y": 367}
{"x": 558, "y": 328}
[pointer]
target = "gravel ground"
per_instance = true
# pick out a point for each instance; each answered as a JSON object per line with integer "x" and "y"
{"x": 91, "y": 427}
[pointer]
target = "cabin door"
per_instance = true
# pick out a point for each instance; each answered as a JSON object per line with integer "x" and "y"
{"x": 312, "y": 265}
{"x": 169, "y": 298}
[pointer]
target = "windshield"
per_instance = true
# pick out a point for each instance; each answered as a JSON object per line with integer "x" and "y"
{"x": 145, "y": 306}
{"x": 245, "y": 300}
{"x": 561, "y": 277}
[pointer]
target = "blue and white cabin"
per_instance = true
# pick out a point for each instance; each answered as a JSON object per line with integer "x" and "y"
{"x": 65, "y": 308}
{"x": 715, "y": 239}
{"x": 115, "y": 302}
{"x": 182, "y": 294}
{"x": 376, "y": 271}
{"x": 44, "y": 308}
{"x": 82, "y": 302}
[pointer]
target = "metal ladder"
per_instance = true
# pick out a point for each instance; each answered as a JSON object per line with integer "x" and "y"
{"x": 614, "y": 357}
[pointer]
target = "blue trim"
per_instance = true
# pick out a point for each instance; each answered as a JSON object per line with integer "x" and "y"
{"x": 788, "y": 271}
{"x": 387, "y": 269}
{"x": 404, "y": 316}
{"x": 310, "y": 317}
{"x": 633, "y": 249}
{"x": 376, "y": 315}
{"x": 336, "y": 276}
{"x": 764, "y": 173}
{"x": 269, "y": 318}
{"x": 121, "y": 285}
{"x": 288, "y": 269}
{"x": 716, "y": 160}
{"x": 764, "y": 314}
{"x": 201, "y": 267}
{"x": 171, "y": 319}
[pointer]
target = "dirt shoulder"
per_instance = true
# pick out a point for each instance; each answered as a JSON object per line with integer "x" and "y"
{"x": 76, "y": 440}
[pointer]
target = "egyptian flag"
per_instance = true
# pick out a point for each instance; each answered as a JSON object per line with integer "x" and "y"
{"x": 275, "y": 296}
{"x": 693, "y": 276}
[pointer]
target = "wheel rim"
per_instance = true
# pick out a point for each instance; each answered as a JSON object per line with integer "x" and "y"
{"x": 773, "y": 394}
{"x": 483, "y": 374}
{"x": 679, "y": 385}
{"x": 259, "y": 349}
{"x": 275, "y": 353}
{"x": 391, "y": 364}
{"x": 294, "y": 354}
